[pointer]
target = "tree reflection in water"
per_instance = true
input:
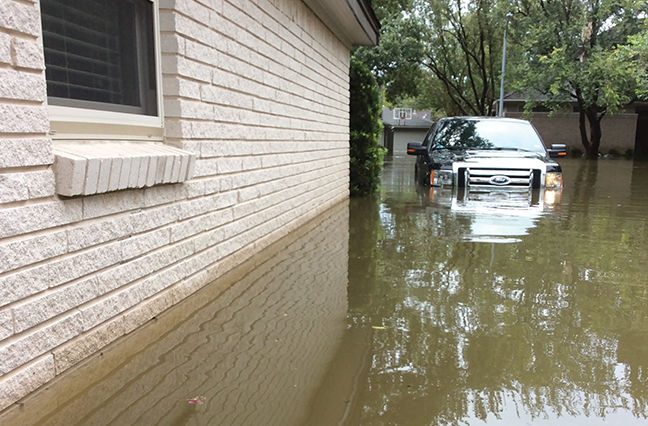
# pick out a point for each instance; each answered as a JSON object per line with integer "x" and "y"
{"x": 554, "y": 326}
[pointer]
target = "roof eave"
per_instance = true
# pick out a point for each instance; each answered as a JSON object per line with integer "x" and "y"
{"x": 353, "y": 21}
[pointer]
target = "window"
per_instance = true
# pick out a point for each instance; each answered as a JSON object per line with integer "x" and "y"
{"x": 428, "y": 136}
{"x": 101, "y": 64}
{"x": 102, "y": 67}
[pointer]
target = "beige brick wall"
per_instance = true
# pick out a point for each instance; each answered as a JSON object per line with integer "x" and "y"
{"x": 618, "y": 130}
{"x": 258, "y": 90}
{"x": 276, "y": 323}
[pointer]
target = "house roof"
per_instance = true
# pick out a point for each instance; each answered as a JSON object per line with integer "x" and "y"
{"x": 353, "y": 21}
{"x": 518, "y": 96}
{"x": 419, "y": 120}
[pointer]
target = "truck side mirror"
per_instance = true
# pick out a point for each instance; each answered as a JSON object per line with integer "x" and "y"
{"x": 416, "y": 148}
{"x": 557, "y": 150}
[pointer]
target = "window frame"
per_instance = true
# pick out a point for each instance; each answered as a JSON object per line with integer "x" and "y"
{"x": 429, "y": 135}
{"x": 79, "y": 121}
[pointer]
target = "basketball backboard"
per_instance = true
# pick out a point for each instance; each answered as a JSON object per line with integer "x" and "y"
{"x": 402, "y": 113}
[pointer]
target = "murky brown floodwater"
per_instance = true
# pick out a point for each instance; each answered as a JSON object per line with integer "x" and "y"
{"x": 408, "y": 309}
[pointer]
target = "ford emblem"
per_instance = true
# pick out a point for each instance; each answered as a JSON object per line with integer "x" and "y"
{"x": 500, "y": 180}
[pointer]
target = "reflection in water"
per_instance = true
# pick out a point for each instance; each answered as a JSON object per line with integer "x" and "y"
{"x": 440, "y": 328}
{"x": 249, "y": 349}
{"x": 548, "y": 329}
{"x": 485, "y": 215}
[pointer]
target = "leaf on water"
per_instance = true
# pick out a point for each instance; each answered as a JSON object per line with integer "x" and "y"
{"x": 197, "y": 400}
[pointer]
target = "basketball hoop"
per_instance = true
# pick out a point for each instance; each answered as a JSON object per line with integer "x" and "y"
{"x": 403, "y": 113}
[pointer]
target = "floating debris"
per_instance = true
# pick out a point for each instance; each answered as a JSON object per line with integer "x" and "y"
{"x": 377, "y": 327}
{"x": 197, "y": 400}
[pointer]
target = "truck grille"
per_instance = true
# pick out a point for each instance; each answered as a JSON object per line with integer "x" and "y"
{"x": 504, "y": 178}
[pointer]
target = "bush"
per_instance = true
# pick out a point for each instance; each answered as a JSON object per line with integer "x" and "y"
{"x": 365, "y": 126}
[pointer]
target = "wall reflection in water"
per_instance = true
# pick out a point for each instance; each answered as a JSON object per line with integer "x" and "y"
{"x": 250, "y": 349}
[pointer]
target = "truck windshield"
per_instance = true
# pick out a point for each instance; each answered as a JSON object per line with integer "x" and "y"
{"x": 488, "y": 134}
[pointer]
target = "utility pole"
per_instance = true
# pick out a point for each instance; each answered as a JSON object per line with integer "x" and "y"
{"x": 500, "y": 113}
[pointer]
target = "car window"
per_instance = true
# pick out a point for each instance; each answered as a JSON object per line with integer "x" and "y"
{"x": 428, "y": 136}
{"x": 460, "y": 134}
{"x": 488, "y": 134}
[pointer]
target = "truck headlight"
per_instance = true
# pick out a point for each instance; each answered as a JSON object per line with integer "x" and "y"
{"x": 553, "y": 180}
{"x": 442, "y": 178}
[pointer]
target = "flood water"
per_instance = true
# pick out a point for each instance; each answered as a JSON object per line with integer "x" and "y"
{"x": 408, "y": 308}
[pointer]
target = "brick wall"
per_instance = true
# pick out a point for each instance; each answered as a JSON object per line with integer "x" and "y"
{"x": 258, "y": 90}
{"x": 618, "y": 130}
{"x": 257, "y": 345}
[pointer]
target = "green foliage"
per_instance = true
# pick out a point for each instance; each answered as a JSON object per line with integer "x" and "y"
{"x": 445, "y": 56}
{"x": 431, "y": 96}
{"x": 439, "y": 54}
{"x": 396, "y": 61}
{"x": 365, "y": 152}
{"x": 635, "y": 54}
{"x": 464, "y": 50}
{"x": 574, "y": 56}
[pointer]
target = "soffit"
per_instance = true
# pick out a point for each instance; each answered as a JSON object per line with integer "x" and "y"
{"x": 353, "y": 21}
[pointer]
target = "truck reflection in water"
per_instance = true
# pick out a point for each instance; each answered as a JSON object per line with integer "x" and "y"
{"x": 493, "y": 216}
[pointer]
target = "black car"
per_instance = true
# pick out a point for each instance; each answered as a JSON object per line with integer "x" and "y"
{"x": 489, "y": 152}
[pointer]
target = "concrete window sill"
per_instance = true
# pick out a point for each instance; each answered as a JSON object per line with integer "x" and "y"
{"x": 86, "y": 168}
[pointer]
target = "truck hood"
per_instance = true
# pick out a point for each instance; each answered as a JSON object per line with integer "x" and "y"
{"x": 494, "y": 158}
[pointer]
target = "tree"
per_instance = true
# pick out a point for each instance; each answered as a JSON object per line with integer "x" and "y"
{"x": 430, "y": 96}
{"x": 464, "y": 50}
{"x": 572, "y": 56}
{"x": 635, "y": 53}
{"x": 365, "y": 152}
{"x": 395, "y": 62}
{"x": 447, "y": 47}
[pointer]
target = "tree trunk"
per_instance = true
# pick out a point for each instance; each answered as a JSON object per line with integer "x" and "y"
{"x": 582, "y": 126}
{"x": 593, "y": 143}
{"x": 595, "y": 139}
{"x": 595, "y": 131}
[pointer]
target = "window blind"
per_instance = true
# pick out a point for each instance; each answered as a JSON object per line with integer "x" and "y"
{"x": 91, "y": 50}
